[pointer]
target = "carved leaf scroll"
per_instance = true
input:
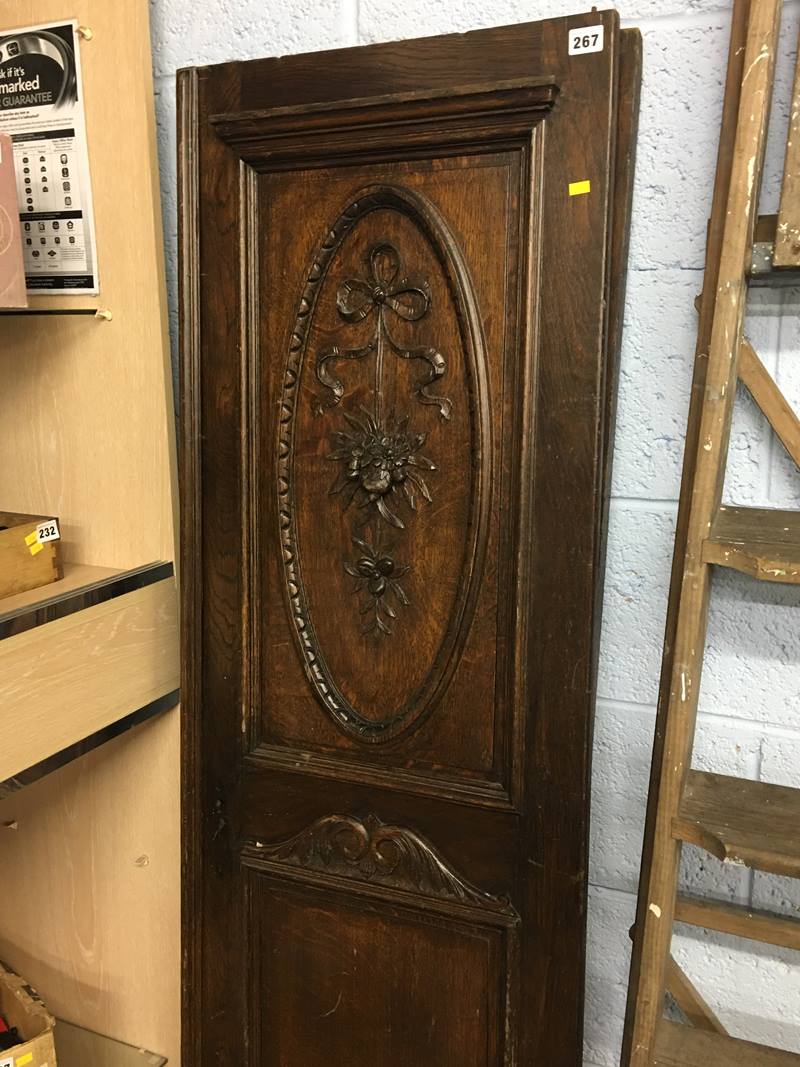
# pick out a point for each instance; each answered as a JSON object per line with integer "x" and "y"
{"x": 365, "y": 849}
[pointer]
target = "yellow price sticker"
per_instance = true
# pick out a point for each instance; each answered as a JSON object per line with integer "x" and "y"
{"x": 579, "y": 188}
{"x": 34, "y": 547}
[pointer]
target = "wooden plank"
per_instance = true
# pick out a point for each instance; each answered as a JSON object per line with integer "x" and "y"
{"x": 739, "y": 921}
{"x": 739, "y": 165}
{"x": 773, "y": 404}
{"x": 685, "y": 1046}
{"x": 755, "y": 824}
{"x": 761, "y": 542}
{"x": 690, "y": 1000}
{"x": 65, "y": 680}
{"x": 787, "y": 237}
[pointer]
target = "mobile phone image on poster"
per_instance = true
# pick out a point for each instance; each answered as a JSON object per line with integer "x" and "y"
{"x": 41, "y": 107}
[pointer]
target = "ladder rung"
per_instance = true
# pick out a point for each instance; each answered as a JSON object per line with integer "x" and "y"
{"x": 761, "y": 542}
{"x": 726, "y": 918}
{"x": 684, "y": 1046}
{"x": 751, "y": 823}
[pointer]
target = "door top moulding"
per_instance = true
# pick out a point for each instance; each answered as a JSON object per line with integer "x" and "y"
{"x": 516, "y": 97}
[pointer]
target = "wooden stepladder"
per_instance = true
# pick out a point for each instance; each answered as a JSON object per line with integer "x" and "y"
{"x": 747, "y": 822}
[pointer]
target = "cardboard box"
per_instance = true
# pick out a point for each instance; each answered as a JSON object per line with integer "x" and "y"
{"x": 30, "y": 552}
{"x": 13, "y": 292}
{"x": 22, "y": 1008}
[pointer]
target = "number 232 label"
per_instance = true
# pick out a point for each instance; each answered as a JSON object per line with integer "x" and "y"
{"x": 46, "y": 531}
{"x": 585, "y": 39}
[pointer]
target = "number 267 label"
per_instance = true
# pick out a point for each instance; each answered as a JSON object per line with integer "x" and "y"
{"x": 585, "y": 39}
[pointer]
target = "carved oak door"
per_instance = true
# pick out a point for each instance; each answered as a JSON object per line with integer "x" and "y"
{"x": 401, "y": 271}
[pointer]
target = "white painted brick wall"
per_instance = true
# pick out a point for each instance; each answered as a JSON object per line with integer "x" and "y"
{"x": 750, "y": 703}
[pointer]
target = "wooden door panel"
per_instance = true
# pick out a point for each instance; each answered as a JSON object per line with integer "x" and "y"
{"x": 395, "y": 417}
{"x": 364, "y": 920}
{"x": 325, "y": 970}
{"x": 450, "y": 416}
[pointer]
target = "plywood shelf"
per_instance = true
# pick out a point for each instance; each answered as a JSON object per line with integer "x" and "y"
{"x": 686, "y": 1046}
{"x": 79, "y": 666}
{"x": 76, "y": 576}
{"x": 81, "y": 586}
{"x": 761, "y": 542}
{"x": 739, "y": 821}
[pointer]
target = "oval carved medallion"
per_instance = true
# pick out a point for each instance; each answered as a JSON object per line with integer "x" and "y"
{"x": 383, "y": 463}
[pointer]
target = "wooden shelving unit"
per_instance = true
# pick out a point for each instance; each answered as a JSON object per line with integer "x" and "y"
{"x": 89, "y": 665}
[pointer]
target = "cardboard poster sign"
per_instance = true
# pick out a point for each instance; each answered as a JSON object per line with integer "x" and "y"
{"x": 41, "y": 108}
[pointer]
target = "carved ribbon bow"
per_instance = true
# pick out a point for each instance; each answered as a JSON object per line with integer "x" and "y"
{"x": 386, "y": 290}
{"x": 407, "y": 297}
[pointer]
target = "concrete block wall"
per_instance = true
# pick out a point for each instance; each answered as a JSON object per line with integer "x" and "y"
{"x": 750, "y": 704}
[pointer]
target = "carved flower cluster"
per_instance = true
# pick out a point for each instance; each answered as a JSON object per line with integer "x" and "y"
{"x": 379, "y": 461}
{"x": 377, "y": 574}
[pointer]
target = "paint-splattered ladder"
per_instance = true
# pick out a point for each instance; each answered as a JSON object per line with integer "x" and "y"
{"x": 751, "y": 823}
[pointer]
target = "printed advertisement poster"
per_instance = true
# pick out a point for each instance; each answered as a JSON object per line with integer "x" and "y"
{"x": 41, "y": 107}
